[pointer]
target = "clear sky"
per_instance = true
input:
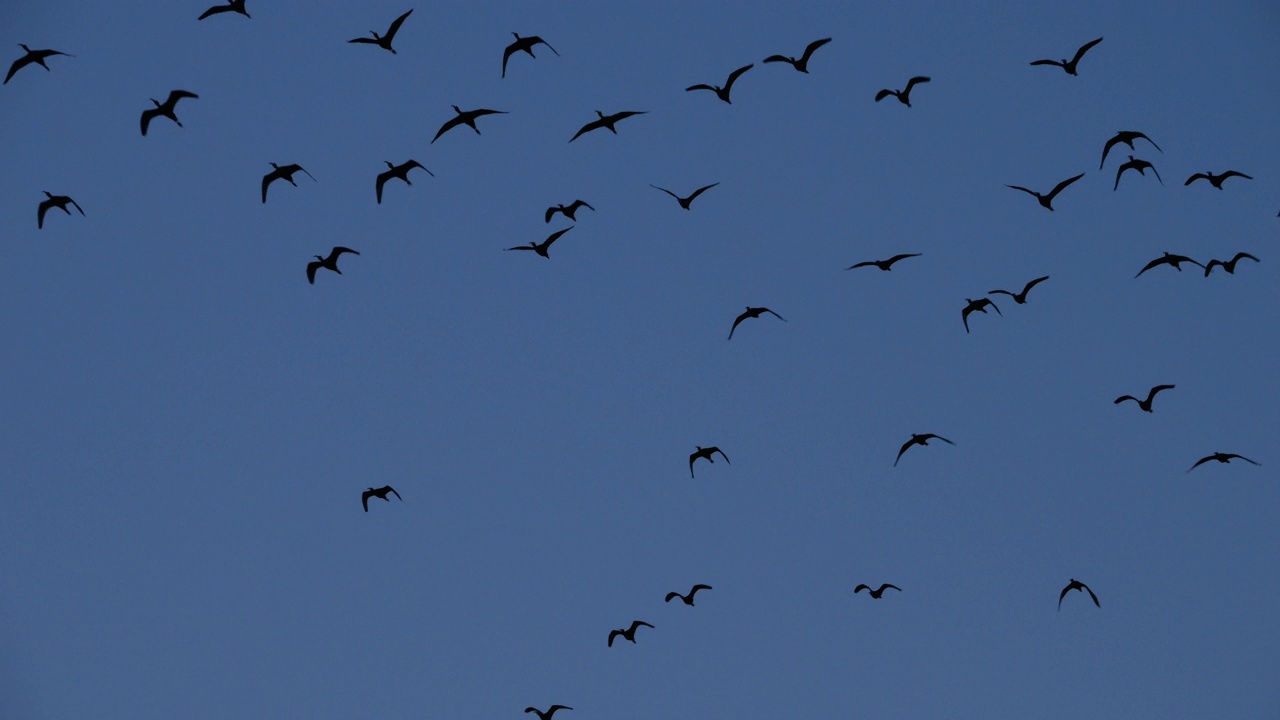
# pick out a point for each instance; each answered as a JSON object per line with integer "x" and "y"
{"x": 188, "y": 424}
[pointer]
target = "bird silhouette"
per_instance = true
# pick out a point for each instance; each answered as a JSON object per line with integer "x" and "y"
{"x": 1145, "y": 404}
{"x": 629, "y": 633}
{"x": 1046, "y": 201}
{"x": 378, "y": 493}
{"x": 568, "y": 210}
{"x": 549, "y": 711}
{"x": 705, "y": 454}
{"x": 753, "y": 312}
{"x": 467, "y": 118}
{"x": 885, "y": 265}
{"x": 903, "y": 95}
{"x": 165, "y": 108}
{"x": 541, "y": 248}
{"x": 1070, "y": 65}
{"x": 875, "y": 593}
{"x": 1021, "y": 297}
{"x": 979, "y": 305}
{"x": 1229, "y": 265}
{"x": 1077, "y": 585}
{"x": 1135, "y": 164}
{"x": 606, "y": 121}
{"x": 328, "y": 263}
{"x": 685, "y": 201}
{"x": 54, "y": 201}
{"x": 687, "y": 599}
{"x": 384, "y": 41}
{"x": 802, "y": 64}
{"x": 1127, "y": 137}
{"x": 1169, "y": 259}
{"x": 400, "y": 172}
{"x": 32, "y": 56}
{"x": 1222, "y": 458}
{"x": 918, "y": 439}
{"x": 722, "y": 92}
{"x": 523, "y": 44}
{"x": 282, "y": 172}
{"x": 231, "y": 6}
{"x": 1216, "y": 180}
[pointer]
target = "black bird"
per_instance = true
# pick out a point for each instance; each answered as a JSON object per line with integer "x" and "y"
{"x": 231, "y": 6}
{"x": 467, "y": 118}
{"x": 549, "y": 712}
{"x": 1070, "y": 65}
{"x": 329, "y": 263}
{"x": 705, "y": 453}
{"x": 1229, "y": 265}
{"x": 722, "y": 92}
{"x": 568, "y": 210}
{"x": 541, "y": 248}
{"x": 398, "y": 171}
{"x": 1046, "y": 201}
{"x": 378, "y": 493}
{"x": 606, "y": 121}
{"x": 166, "y": 108}
{"x": 32, "y": 56}
{"x": 1216, "y": 180}
{"x": 875, "y": 593}
{"x": 687, "y": 599}
{"x": 282, "y": 172}
{"x": 384, "y": 41}
{"x": 1222, "y": 458}
{"x": 526, "y": 44}
{"x": 979, "y": 305}
{"x": 685, "y": 201}
{"x": 1169, "y": 259}
{"x": 885, "y": 265}
{"x": 1145, "y": 404}
{"x": 1127, "y": 137}
{"x": 1021, "y": 298}
{"x": 803, "y": 63}
{"x": 1077, "y": 585}
{"x": 55, "y": 201}
{"x": 629, "y": 633}
{"x": 753, "y": 312}
{"x": 903, "y": 95}
{"x": 917, "y": 439}
{"x": 1139, "y": 165}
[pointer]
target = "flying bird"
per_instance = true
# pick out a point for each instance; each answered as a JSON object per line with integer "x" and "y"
{"x": 32, "y": 56}
{"x": 606, "y": 121}
{"x": 165, "y": 109}
{"x": 1222, "y": 458}
{"x": 378, "y": 493}
{"x": 1046, "y": 201}
{"x": 549, "y": 711}
{"x": 923, "y": 441}
{"x": 1021, "y": 297}
{"x": 687, "y": 599}
{"x": 979, "y": 305}
{"x": 875, "y": 593}
{"x": 1077, "y": 585}
{"x": 467, "y": 118}
{"x": 1169, "y": 259}
{"x": 541, "y": 248}
{"x": 1229, "y": 265}
{"x": 231, "y": 6}
{"x": 753, "y": 312}
{"x": 54, "y": 201}
{"x": 1145, "y": 404}
{"x": 1070, "y": 65}
{"x": 1216, "y": 180}
{"x": 329, "y": 263}
{"x": 685, "y": 201}
{"x": 705, "y": 453}
{"x": 1127, "y": 137}
{"x": 568, "y": 210}
{"x": 629, "y": 633}
{"x": 400, "y": 172}
{"x": 526, "y": 44}
{"x": 1135, "y": 164}
{"x": 722, "y": 92}
{"x": 282, "y": 172}
{"x": 803, "y": 63}
{"x": 885, "y": 265}
{"x": 384, "y": 41}
{"x": 903, "y": 95}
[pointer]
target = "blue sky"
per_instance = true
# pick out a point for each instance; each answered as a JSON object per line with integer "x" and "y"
{"x": 189, "y": 424}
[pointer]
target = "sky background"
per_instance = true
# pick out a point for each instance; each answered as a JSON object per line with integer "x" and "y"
{"x": 188, "y": 425}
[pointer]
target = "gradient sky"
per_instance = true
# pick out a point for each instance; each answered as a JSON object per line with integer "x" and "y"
{"x": 188, "y": 425}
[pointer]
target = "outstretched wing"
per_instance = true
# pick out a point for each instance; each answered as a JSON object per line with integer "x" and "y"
{"x": 735, "y": 75}
{"x": 176, "y": 95}
{"x": 913, "y": 82}
{"x": 613, "y": 634}
{"x": 1058, "y": 188}
{"x": 446, "y": 126}
{"x": 700, "y": 586}
{"x": 884, "y": 94}
{"x": 371, "y": 41}
{"x": 535, "y": 40}
{"x": 1107, "y": 148}
{"x": 637, "y": 623}
{"x": 364, "y": 496}
{"x": 579, "y": 203}
{"x": 700, "y": 86}
{"x": 338, "y": 250}
{"x": 931, "y": 436}
{"x": 1046, "y": 62}
{"x": 889, "y": 585}
{"x": 701, "y": 190}
{"x": 1086, "y": 587}
{"x": 593, "y": 125}
{"x": 808, "y": 51}
{"x": 774, "y": 314}
{"x": 1032, "y": 284}
{"x": 311, "y": 278}
{"x": 395, "y": 26}
{"x": 1193, "y": 178}
{"x": 903, "y": 256}
{"x": 1200, "y": 462}
{"x": 1241, "y": 457}
{"x": 1025, "y": 190}
{"x": 1233, "y": 173}
{"x": 1234, "y": 260}
{"x": 1157, "y": 389}
{"x": 902, "y": 450}
{"x": 1084, "y": 49}
{"x": 718, "y": 450}
{"x": 214, "y": 11}
{"x": 1065, "y": 590}
{"x": 737, "y": 322}
{"x": 551, "y": 211}
{"x": 1122, "y": 398}
{"x": 266, "y": 180}
{"x": 672, "y": 595}
{"x": 693, "y": 456}
{"x": 997, "y": 309}
{"x": 861, "y": 264}
{"x": 382, "y": 180}
{"x": 555, "y": 236}
{"x": 861, "y": 587}
{"x": 677, "y": 197}
{"x": 393, "y": 492}
{"x": 1208, "y": 268}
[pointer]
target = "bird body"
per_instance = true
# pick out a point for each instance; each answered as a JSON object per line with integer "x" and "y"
{"x": 467, "y": 117}
{"x": 541, "y": 248}
{"x": 629, "y": 633}
{"x": 875, "y": 594}
{"x": 328, "y": 263}
{"x": 801, "y": 65}
{"x": 1169, "y": 259}
{"x": 32, "y": 56}
{"x": 567, "y": 210}
{"x": 282, "y": 172}
{"x": 705, "y": 454}
{"x": 1221, "y": 457}
{"x": 54, "y": 201}
{"x": 231, "y": 6}
{"x": 384, "y": 41}
{"x": 1070, "y": 65}
{"x": 165, "y": 109}
{"x": 1136, "y": 164}
{"x": 1127, "y": 137}
{"x": 1228, "y": 265}
{"x": 1077, "y": 585}
{"x": 1145, "y": 405}
{"x": 1046, "y": 200}
{"x": 722, "y": 92}
{"x": 685, "y": 202}
{"x": 752, "y": 312}
{"x": 1021, "y": 297}
{"x": 378, "y": 493}
{"x": 399, "y": 172}
{"x": 1216, "y": 180}
{"x": 903, "y": 95}
{"x": 917, "y": 439}
{"x": 884, "y": 265}
{"x": 523, "y": 44}
{"x": 688, "y": 599}
{"x": 606, "y": 121}
{"x": 979, "y": 305}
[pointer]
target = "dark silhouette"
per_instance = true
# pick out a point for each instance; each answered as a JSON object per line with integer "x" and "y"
{"x": 885, "y": 265}
{"x": 281, "y": 172}
{"x": 467, "y": 118}
{"x": 1077, "y": 585}
{"x": 400, "y": 172}
{"x": 54, "y": 201}
{"x": 685, "y": 201}
{"x": 979, "y": 305}
{"x": 165, "y": 109}
{"x": 1139, "y": 165}
{"x": 753, "y": 312}
{"x": 903, "y": 95}
{"x": 1070, "y": 65}
{"x": 568, "y": 210}
{"x": 1046, "y": 201}
{"x": 541, "y": 248}
{"x": 629, "y": 633}
{"x": 1127, "y": 137}
{"x": 1145, "y": 404}
{"x": 922, "y": 441}
{"x": 1229, "y": 265}
{"x": 526, "y": 44}
{"x": 875, "y": 593}
{"x": 1021, "y": 297}
{"x": 687, "y": 599}
{"x": 802, "y": 64}
{"x": 705, "y": 454}
{"x": 1216, "y": 180}
{"x": 1222, "y": 458}
{"x": 549, "y": 712}
{"x": 1169, "y": 259}
{"x": 378, "y": 493}
{"x": 32, "y": 56}
{"x": 606, "y": 121}
{"x": 231, "y": 6}
{"x": 328, "y": 263}
{"x": 722, "y": 92}
{"x": 384, "y": 41}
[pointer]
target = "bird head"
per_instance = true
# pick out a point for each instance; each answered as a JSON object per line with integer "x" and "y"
{"x": 155, "y": 102}
{"x": 46, "y": 192}
{"x": 456, "y": 109}
{"x": 24, "y": 47}
{"x": 389, "y": 163}
{"x": 274, "y": 165}
{"x": 321, "y": 259}
{"x": 600, "y": 114}
{"x": 517, "y": 35}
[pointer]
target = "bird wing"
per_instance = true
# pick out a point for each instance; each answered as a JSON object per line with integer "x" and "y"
{"x": 146, "y": 118}
{"x": 1157, "y": 389}
{"x": 701, "y": 190}
{"x": 507, "y": 54}
{"x": 701, "y": 86}
{"x": 1084, "y": 49}
{"x": 579, "y": 203}
{"x": 637, "y": 623}
{"x": 1065, "y": 590}
{"x": 1119, "y": 172}
{"x": 1200, "y": 462}
{"x": 884, "y": 94}
{"x": 694, "y": 456}
{"x": 395, "y": 26}
{"x": 338, "y": 250}
{"x": 736, "y": 322}
{"x": 1004, "y": 292}
{"x": 1047, "y": 62}
{"x": 214, "y": 11}
{"x": 551, "y": 710}
{"x": 997, "y": 308}
{"x": 778, "y": 58}
{"x": 266, "y": 180}
{"x": 535, "y": 40}
{"x": 364, "y": 496}
{"x": 861, "y": 587}
{"x": 775, "y": 314}
{"x": 1156, "y": 172}
{"x": 913, "y": 82}
{"x": 939, "y": 437}
{"x": 176, "y": 95}
{"x": 593, "y": 125}
{"x": 1107, "y": 148}
{"x": 1237, "y": 257}
{"x": 1194, "y": 178}
{"x": 677, "y": 197}
{"x": 383, "y": 177}
{"x": 613, "y": 634}
{"x": 889, "y": 585}
{"x": 964, "y": 315}
{"x": 718, "y": 450}
{"x": 44, "y": 208}
{"x": 810, "y": 48}
{"x": 1058, "y": 188}
{"x": 626, "y": 114}
{"x": 445, "y": 127}
{"x": 1208, "y": 268}
{"x": 551, "y": 211}
{"x": 555, "y": 236}
{"x": 1086, "y": 587}
{"x": 700, "y": 586}
{"x": 1122, "y": 398}
{"x": 861, "y": 264}
{"x": 370, "y": 41}
{"x": 1233, "y": 173}
{"x": 311, "y": 278}
{"x": 77, "y": 206}
{"x": 903, "y": 256}
{"x": 393, "y": 492}
{"x": 522, "y": 247}
{"x": 1025, "y": 190}
{"x": 735, "y": 75}
{"x": 672, "y": 594}
{"x": 903, "y": 449}
{"x": 1241, "y": 457}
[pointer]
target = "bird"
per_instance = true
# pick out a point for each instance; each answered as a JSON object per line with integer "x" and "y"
{"x": 903, "y": 95}
{"x": 1135, "y": 164}
{"x": 1021, "y": 298}
{"x": 568, "y": 210}
{"x": 705, "y": 453}
{"x": 400, "y": 171}
{"x": 629, "y": 633}
{"x": 687, "y": 599}
{"x": 923, "y": 441}
{"x": 685, "y": 201}
{"x": 1222, "y": 458}
{"x": 549, "y": 711}
{"x": 1229, "y": 265}
{"x": 875, "y": 593}
{"x": 384, "y": 41}
{"x": 328, "y": 263}
{"x": 606, "y": 121}
{"x": 231, "y": 6}
{"x": 378, "y": 493}
{"x": 753, "y": 312}
{"x": 1070, "y": 65}
{"x": 1046, "y": 201}
{"x": 282, "y": 172}
{"x": 541, "y": 248}
{"x": 166, "y": 108}
{"x": 1145, "y": 404}
{"x": 802, "y": 64}
{"x": 885, "y": 265}
{"x": 1216, "y": 180}
{"x": 467, "y": 118}
{"x": 526, "y": 44}
{"x": 1169, "y": 259}
{"x": 55, "y": 201}
{"x": 1077, "y": 585}
{"x": 1127, "y": 137}
{"x": 722, "y": 92}
{"x": 32, "y": 56}
{"x": 979, "y": 305}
